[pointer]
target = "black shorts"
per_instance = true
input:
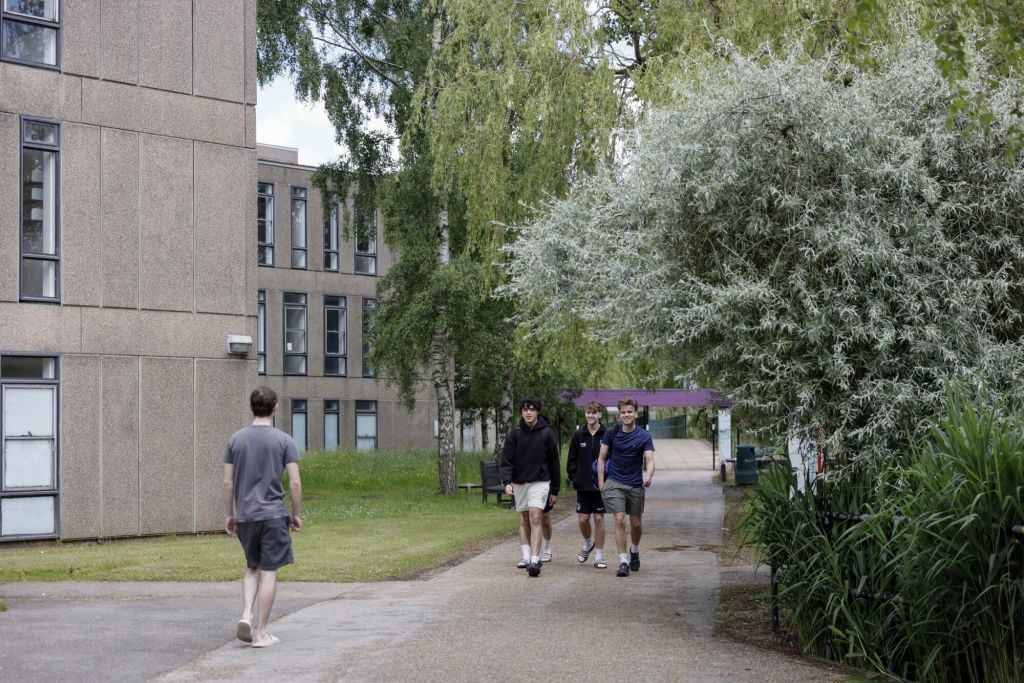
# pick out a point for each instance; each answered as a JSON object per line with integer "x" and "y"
{"x": 267, "y": 543}
{"x": 589, "y": 503}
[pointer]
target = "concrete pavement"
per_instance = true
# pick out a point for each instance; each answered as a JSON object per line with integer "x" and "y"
{"x": 481, "y": 619}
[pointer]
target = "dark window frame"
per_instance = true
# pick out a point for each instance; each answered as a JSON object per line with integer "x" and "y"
{"x": 368, "y": 254}
{"x": 369, "y": 304}
{"x": 300, "y": 195}
{"x": 55, "y": 258}
{"x": 268, "y": 215}
{"x": 54, "y": 492}
{"x": 332, "y": 233}
{"x": 299, "y": 406}
{"x": 261, "y": 332}
{"x": 284, "y": 330}
{"x": 368, "y": 407}
{"x": 343, "y": 332}
{"x": 332, "y": 408}
{"x": 7, "y": 16}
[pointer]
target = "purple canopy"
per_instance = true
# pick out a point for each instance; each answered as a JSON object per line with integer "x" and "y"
{"x": 678, "y": 398}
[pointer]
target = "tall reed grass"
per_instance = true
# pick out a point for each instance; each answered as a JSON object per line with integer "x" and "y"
{"x": 910, "y": 567}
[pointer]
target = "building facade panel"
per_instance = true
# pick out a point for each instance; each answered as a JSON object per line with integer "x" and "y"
{"x": 40, "y": 92}
{"x": 166, "y": 217}
{"x": 120, "y": 40}
{"x": 220, "y": 228}
{"x": 166, "y": 445}
{"x": 251, "y": 85}
{"x": 40, "y": 327}
{"x": 120, "y": 430}
{"x": 81, "y": 236}
{"x": 79, "y": 448}
{"x": 119, "y": 105}
{"x": 81, "y": 37}
{"x": 119, "y": 198}
{"x": 219, "y": 49}
{"x": 222, "y": 395}
{"x": 165, "y": 60}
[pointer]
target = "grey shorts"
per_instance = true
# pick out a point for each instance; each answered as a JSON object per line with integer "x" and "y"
{"x": 267, "y": 543}
{"x": 618, "y": 497}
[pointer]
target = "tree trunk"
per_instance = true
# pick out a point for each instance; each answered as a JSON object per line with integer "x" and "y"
{"x": 440, "y": 374}
{"x": 483, "y": 429}
{"x": 441, "y": 351}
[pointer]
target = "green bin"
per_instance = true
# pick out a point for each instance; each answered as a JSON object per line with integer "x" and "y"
{"x": 746, "y": 465}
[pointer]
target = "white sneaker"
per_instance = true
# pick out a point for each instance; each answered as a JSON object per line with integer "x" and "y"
{"x": 545, "y": 556}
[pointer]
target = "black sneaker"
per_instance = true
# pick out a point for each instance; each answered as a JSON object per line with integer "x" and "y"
{"x": 533, "y": 569}
{"x": 634, "y": 561}
{"x": 623, "y": 570}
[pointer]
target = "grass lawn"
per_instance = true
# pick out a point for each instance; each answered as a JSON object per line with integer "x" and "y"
{"x": 366, "y": 517}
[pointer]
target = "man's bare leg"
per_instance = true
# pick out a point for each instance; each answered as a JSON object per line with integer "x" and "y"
{"x": 620, "y": 532}
{"x": 599, "y": 531}
{"x": 536, "y": 532}
{"x": 584, "y": 523}
{"x": 635, "y": 529}
{"x": 250, "y": 587}
{"x": 267, "y": 592}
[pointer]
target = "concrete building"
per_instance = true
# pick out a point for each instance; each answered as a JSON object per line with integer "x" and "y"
{"x": 316, "y": 289}
{"x": 140, "y": 234}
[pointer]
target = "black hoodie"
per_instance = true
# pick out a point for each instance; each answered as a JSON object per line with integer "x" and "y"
{"x": 531, "y": 455}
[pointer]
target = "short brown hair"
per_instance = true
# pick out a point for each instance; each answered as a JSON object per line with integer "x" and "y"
{"x": 595, "y": 406}
{"x": 628, "y": 401}
{"x": 262, "y": 401}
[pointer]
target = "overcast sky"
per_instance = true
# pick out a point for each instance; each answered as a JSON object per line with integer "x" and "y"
{"x": 280, "y": 120}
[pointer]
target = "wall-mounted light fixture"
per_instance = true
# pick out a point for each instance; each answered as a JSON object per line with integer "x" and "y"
{"x": 239, "y": 344}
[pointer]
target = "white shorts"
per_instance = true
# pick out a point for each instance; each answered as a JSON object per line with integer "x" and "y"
{"x": 533, "y": 494}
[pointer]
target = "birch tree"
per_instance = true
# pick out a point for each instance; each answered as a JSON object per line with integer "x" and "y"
{"x": 814, "y": 238}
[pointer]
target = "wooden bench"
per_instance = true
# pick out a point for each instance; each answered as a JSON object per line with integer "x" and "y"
{"x": 492, "y": 482}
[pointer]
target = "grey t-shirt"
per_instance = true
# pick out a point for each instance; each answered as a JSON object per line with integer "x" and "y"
{"x": 259, "y": 454}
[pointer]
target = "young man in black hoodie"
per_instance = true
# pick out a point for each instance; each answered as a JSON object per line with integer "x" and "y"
{"x": 530, "y": 471}
{"x": 584, "y": 448}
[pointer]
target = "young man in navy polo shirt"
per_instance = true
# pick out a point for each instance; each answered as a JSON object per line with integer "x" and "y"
{"x": 630, "y": 470}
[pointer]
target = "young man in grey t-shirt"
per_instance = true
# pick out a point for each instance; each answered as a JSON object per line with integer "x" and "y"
{"x": 254, "y": 461}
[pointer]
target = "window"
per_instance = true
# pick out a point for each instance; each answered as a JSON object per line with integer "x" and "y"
{"x": 30, "y": 32}
{"x": 265, "y": 223}
{"x": 366, "y": 247}
{"x": 261, "y": 331}
{"x": 368, "y": 306}
{"x": 28, "y": 433}
{"x": 299, "y": 423}
{"x": 298, "y": 227}
{"x": 332, "y": 425}
{"x": 331, "y": 259}
{"x": 366, "y": 425}
{"x": 40, "y": 215}
{"x": 335, "y": 326}
{"x": 294, "y": 334}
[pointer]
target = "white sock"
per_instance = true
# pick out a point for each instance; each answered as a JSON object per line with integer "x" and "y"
{"x": 547, "y": 545}
{"x": 623, "y": 558}
{"x": 534, "y": 559}
{"x": 599, "y": 555}
{"x": 526, "y": 551}
{"x": 634, "y": 548}
{"x": 588, "y": 545}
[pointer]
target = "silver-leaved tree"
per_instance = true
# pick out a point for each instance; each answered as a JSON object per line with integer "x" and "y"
{"x": 823, "y": 242}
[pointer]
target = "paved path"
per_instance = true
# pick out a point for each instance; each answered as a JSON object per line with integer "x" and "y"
{"x": 483, "y": 618}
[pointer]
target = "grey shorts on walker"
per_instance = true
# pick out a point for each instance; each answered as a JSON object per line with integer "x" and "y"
{"x": 618, "y": 497}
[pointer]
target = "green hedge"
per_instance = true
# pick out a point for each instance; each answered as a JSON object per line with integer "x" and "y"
{"x": 926, "y": 581}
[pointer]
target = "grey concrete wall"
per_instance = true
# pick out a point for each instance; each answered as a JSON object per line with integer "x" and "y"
{"x": 157, "y": 218}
